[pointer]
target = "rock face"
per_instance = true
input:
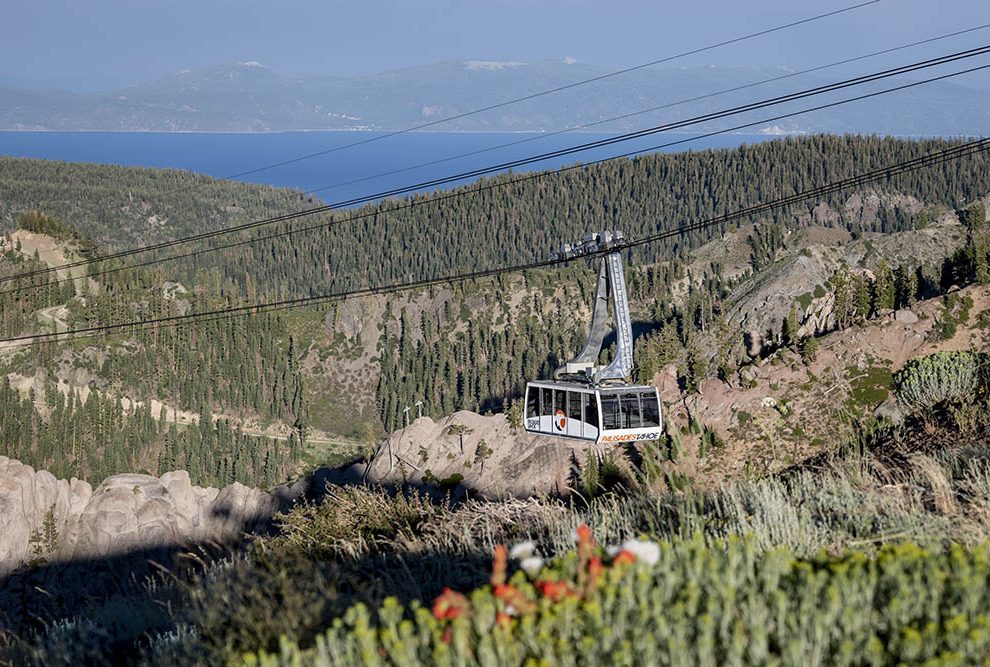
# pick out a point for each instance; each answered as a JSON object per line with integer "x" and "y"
{"x": 762, "y": 301}
{"x": 127, "y": 513}
{"x": 905, "y": 316}
{"x": 492, "y": 459}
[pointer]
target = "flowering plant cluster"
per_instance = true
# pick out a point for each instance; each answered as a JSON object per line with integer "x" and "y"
{"x": 728, "y": 603}
{"x": 524, "y": 596}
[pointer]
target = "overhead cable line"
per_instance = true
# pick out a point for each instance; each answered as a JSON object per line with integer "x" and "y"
{"x": 676, "y": 125}
{"x": 546, "y": 135}
{"x": 882, "y": 173}
{"x": 557, "y": 89}
{"x": 575, "y": 149}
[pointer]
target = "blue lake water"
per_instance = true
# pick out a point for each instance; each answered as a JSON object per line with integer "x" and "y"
{"x": 347, "y": 172}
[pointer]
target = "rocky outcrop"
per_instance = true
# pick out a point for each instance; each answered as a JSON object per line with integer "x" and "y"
{"x": 760, "y": 303}
{"x": 128, "y": 513}
{"x": 482, "y": 454}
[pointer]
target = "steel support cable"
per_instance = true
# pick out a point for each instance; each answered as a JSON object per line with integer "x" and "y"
{"x": 677, "y": 125}
{"x": 558, "y": 89}
{"x": 491, "y": 186}
{"x": 818, "y": 90}
{"x": 882, "y": 173}
{"x": 662, "y": 107}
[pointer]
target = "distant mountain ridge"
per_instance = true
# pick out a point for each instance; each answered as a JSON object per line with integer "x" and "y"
{"x": 249, "y": 97}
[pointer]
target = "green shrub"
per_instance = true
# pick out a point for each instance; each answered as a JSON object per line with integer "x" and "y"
{"x": 941, "y": 378}
{"x": 725, "y": 604}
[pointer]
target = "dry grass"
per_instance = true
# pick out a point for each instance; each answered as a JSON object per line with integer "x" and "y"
{"x": 938, "y": 484}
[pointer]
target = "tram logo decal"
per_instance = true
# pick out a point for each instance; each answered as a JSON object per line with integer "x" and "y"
{"x": 560, "y": 421}
{"x": 630, "y": 437}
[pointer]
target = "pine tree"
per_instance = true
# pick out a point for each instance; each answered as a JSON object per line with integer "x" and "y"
{"x": 862, "y": 298}
{"x": 789, "y": 329}
{"x": 883, "y": 289}
{"x": 978, "y": 243}
{"x": 845, "y": 307}
{"x": 905, "y": 286}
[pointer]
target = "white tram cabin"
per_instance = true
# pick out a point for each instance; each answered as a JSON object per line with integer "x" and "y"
{"x": 623, "y": 413}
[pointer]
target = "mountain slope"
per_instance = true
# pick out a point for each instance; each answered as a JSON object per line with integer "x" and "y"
{"x": 248, "y": 97}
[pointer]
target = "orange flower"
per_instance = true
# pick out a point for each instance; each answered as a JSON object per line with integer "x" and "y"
{"x": 499, "y": 565}
{"x": 505, "y": 592}
{"x": 450, "y": 605}
{"x": 515, "y": 601}
{"x": 503, "y": 619}
{"x": 595, "y": 570}
{"x": 585, "y": 541}
{"x": 624, "y": 557}
{"x": 586, "y": 552}
{"x": 555, "y": 591}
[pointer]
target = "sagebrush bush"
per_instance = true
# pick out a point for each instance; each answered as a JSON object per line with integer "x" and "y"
{"x": 941, "y": 378}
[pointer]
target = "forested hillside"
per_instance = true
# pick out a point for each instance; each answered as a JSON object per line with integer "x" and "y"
{"x": 352, "y": 368}
{"x": 123, "y": 207}
{"x": 517, "y": 222}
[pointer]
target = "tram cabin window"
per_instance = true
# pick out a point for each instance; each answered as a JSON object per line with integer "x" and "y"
{"x": 630, "y": 411}
{"x": 611, "y": 414}
{"x": 651, "y": 409}
{"x": 533, "y": 403}
{"x": 559, "y": 406}
{"x": 546, "y": 402}
{"x": 590, "y": 410}
{"x": 574, "y": 406}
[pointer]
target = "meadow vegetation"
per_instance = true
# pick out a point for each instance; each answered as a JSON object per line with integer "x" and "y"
{"x": 878, "y": 553}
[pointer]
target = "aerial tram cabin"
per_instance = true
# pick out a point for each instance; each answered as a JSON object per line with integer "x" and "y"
{"x": 600, "y": 414}
{"x": 585, "y": 401}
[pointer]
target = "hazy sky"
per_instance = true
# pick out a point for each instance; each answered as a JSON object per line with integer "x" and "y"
{"x": 99, "y": 44}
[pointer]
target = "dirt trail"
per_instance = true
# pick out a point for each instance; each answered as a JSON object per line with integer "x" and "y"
{"x": 52, "y": 253}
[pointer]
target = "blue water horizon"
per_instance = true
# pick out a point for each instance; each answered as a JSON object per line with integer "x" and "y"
{"x": 344, "y": 173}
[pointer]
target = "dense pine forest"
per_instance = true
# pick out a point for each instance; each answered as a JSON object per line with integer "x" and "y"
{"x": 470, "y": 347}
{"x": 96, "y": 438}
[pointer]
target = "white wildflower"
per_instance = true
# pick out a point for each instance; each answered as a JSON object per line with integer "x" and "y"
{"x": 531, "y": 565}
{"x": 644, "y": 551}
{"x": 522, "y": 550}
{"x": 769, "y": 402}
{"x": 613, "y": 551}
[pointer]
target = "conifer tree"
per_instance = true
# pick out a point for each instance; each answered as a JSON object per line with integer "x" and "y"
{"x": 978, "y": 243}
{"x": 883, "y": 288}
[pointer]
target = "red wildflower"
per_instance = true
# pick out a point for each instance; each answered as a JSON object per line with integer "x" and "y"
{"x": 595, "y": 570}
{"x": 624, "y": 558}
{"x": 447, "y": 636}
{"x": 505, "y": 592}
{"x": 450, "y": 605}
{"x": 586, "y": 552}
{"x": 555, "y": 591}
{"x": 503, "y": 619}
{"x": 499, "y": 565}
